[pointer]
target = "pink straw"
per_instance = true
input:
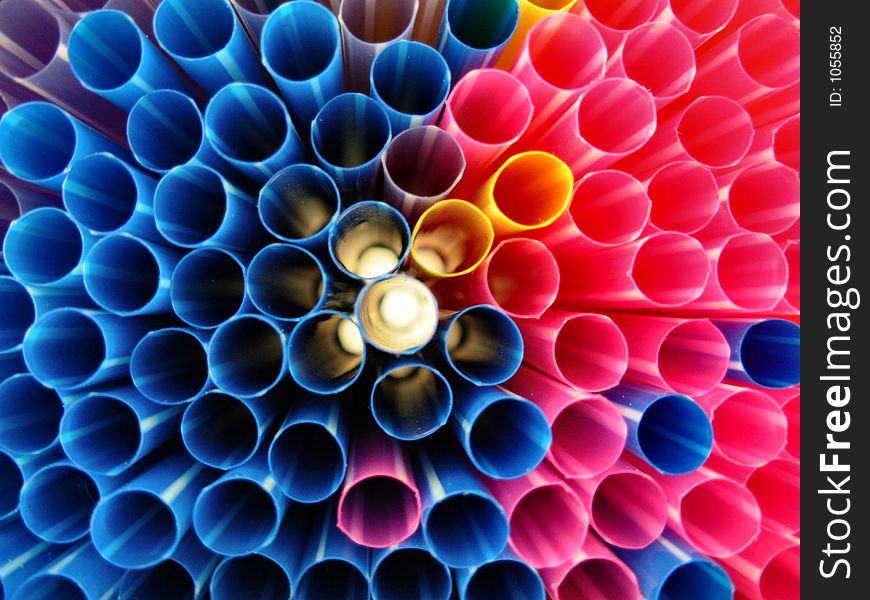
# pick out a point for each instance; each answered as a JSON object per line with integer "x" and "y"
{"x": 776, "y": 106}
{"x": 588, "y": 430}
{"x": 749, "y": 427}
{"x": 486, "y": 112}
{"x": 630, "y": 275}
{"x": 787, "y": 143}
{"x": 561, "y": 57}
{"x": 594, "y": 573}
{"x": 768, "y": 568}
{"x": 627, "y": 508}
{"x": 612, "y": 119}
{"x": 658, "y": 57}
{"x": 685, "y": 356}
{"x": 764, "y": 197}
{"x": 379, "y": 504}
{"x": 792, "y": 411}
{"x": 615, "y": 19}
{"x": 585, "y": 350}
{"x": 777, "y": 486}
{"x": 684, "y": 196}
{"x": 548, "y": 521}
{"x": 698, "y": 19}
{"x": 520, "y": 277}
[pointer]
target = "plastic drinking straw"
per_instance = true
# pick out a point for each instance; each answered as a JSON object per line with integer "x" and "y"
{"x": 169, "y": 366}
{"x": 531, "y": 12}
{"x": 749, "y": 427}
{"x": 669, "y": 431}
{"x": 462, "y": 523}
{"x": 58, "y": 499}
{"x": 787, "y": 143}
{"x": 764, "y": 197}
{"x": 613, "y": 118}
{"x": 505, "y": 436}
{"x": 379, "y": 504}
{"x": 348, "y": 136}
{"x": 107, "y": 432}
{"x": 486, "y": 112}
{"x": 684, "y": 196}
{"x": 80, "y": 572}
{"x": 627, "y": 508}
{"x": 410, "y": 81}
{"x": 421, "y": 167}
{"x": 585, "y": 350}
{"x": 396, "y": 314}
{"x": 713, "y": 130}
{"x": 613, "y": 21}
{"x": 300, "y": 204}
{"x": 548, "y": 521}
{"x": 195, "y": 206}
{"x": 411, "y": 399}
{"x": 224, "y": 432}
{"x": 34, "y": 56}
{"x": 251, "y": 575}
{"x": 39, "y": 142}
{"x": 254, "y": 14}
{"x": 451, "y": 238}
{"x": 594, "y": 573}
{"x": 21, "y": 552}
{"x": 207, "y": 40}
{"x": 428, "y": 23}
{"x": 165, "y": 130}
{"x": 208, "y": 288}
{"x": 231, "y": 364}
{"x": 301, "y": 50}
{"x": 474, "y": 32}
{"x": 562, "y": 55}
{"x": 369, "y": 240}
{"x": 698, "y": 20}
{"x": 141, "y": 523}
{"x": 185, "y": 576}
{"x": 764, "y": 352}
{"x": 481, "y": 344}
{"x": 686, "y": 356}
{"x": 22, "y": 305}
{"x": 776, "y": 106}
{"x": 71, "y": 347}
{"x": 325, "y": 352}
{"x": 671, "y": 568}
{"x": 367, "y": 28}
{"x": 630, "y": 275}
{"x": 505, "y": 577}
{"x": 241, "y": 511}
{"x": 11, "y": 363}
{"x": 776, "y": 485}
{"x": 31, "y": 426}
{"x": 520, "y": 277}
{"x": 588, "y": 431}
{"x": 768, "y": 568}
{"x": 287, "y": 282}
{"x": 128, "y": 276}
{"x": 528, "y": 191}
{"x": 659, "y": 57}
{"x": 308, "y": 455}
{"x": 104, "y": 194}
{"x": 792, "y": 410}
{"x": 763, "y": 56}
{"x": 17, "y": 199}
{"x": 409, "y": 570}
{"x": 112, "y": 57}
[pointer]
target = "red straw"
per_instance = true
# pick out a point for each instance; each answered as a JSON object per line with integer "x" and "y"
{"x": 749, "y": 427}
{"x": 787, "y": 143}
{"x": 777, "y": 487}
{"x": 685, "y": 356}
{"x": 769, "y": 568}
{"x": 698, "y": 19}
{"x": 615, "y": 19}
{"x": 595, "y": 573}
{"x": 585, "y": 350}
{"x": 764, "y": 197}
{"x": 792, "y": 410}
{"x": 684, "y": 196}
{"x": 588, "y": 430}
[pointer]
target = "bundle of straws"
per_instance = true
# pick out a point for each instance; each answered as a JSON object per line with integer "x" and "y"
{"x": 399, "y": 299}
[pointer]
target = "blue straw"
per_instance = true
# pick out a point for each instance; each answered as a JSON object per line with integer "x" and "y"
{"x": 365, "y": 227}
{"x": 764, "y": 353}
{"x": 348, "y": 136}
{"x": 301, "y": 49}
{"x": 287, "y": 282}
{"x": 207, "y": 40}
{"x": 39, "y": 142}
{"x": 409, "y": 571}
{"x": 170, "y": 366}
{"x": 411, "y": 400}
{"x": 11, "y": 363}
{"x": 19, "y": 313}
{"x": 15, "y": 469}
{"x": 253, "y": 575}
{"x": 504, "y": 578}
{"x": 410, "y": 81}
{"x": 308, "y": 455}
{"x": 33, "y": 425}
{"x": 208, "y": 288}
{"x": 316, "y": 358}
{"x": 77, "y": 573}
{"x": 104, "y": 194}
{"x": 250, "y": 128}
{"x": 185, "y": 576}
{"x": 669, "y": 431}
{"x": 232, "y": 365}
{"x": 474, "y": 32}
{"x": 112, "y": 57}
{"x": 300, "y": 203}
{"x": 128, "y": 276}
{"x": 21, "y": 554}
